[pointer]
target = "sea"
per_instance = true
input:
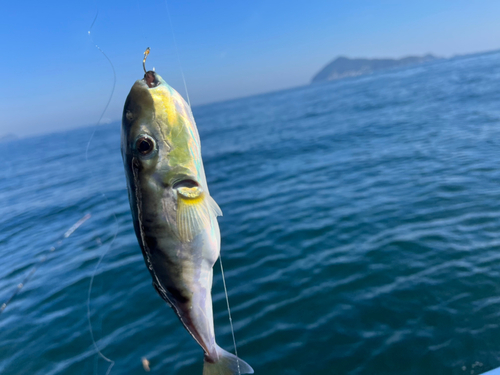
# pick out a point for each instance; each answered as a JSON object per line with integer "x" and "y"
{"x": 361, "y": 235}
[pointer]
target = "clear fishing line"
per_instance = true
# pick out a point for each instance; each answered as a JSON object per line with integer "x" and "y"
{"x": 98, "y": 351}
{"x": 21, "y": 285}
{"x": 177, "y": 53}
{"x": 229, "y": 313}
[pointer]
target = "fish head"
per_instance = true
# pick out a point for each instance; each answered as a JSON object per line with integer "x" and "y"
{"x": 162, "y": 157}
{"x": 159, "y": 134}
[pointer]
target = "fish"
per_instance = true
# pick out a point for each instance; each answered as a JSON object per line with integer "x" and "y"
{"x": 174, "y": 215}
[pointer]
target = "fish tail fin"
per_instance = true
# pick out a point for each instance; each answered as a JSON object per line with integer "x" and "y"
{"x": 227, "y": 364}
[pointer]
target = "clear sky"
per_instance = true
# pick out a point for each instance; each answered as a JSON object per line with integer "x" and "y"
{"x": 54, "y": 78}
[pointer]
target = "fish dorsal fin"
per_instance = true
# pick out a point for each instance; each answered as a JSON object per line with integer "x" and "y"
{"x": 195, "y": 209}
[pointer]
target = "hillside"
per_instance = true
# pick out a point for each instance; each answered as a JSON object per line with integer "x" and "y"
{"x": 343, "y": 67}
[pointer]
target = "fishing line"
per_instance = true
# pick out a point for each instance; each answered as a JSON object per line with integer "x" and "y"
{"x": 220, "y": 258}
{"x": 112, "y": 90}
{"x": 66, "y": 234}
{"x": 229, "y": 313}
{"x": 177, "y": 53}
{"x": 111, "y": 362}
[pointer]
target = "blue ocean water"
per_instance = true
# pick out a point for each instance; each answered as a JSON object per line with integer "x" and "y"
{"x": 360, "y": 234}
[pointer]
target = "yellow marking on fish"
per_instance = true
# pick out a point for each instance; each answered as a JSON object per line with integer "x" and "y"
{"x": 177, "y": 128}
{"x": 169, "y": 104}
{"x": 164, "y": 104}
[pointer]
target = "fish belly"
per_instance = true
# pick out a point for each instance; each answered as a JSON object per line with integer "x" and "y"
{"x": 182, "y": 275}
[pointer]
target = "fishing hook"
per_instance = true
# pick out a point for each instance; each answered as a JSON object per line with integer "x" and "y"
{"x": 146, "y": 53}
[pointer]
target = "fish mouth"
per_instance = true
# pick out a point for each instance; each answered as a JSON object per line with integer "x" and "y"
{"x": 186, "y": 183}
{"x": 151, "y": 80}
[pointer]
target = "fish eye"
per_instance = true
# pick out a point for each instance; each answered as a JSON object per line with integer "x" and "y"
{"x": 145, "y": 145}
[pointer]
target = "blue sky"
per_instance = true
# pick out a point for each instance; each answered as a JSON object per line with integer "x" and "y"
{"x": 54, "y": 78}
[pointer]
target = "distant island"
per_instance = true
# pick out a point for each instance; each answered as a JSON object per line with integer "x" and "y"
{"x": 343, "y": 67}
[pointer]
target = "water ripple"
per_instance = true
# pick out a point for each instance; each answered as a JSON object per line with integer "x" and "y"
{"x": 359, "y": 234}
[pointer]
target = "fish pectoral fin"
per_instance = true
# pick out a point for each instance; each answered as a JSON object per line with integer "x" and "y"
{"x": 213, "y": 206}
{"x": 194, "y": 215}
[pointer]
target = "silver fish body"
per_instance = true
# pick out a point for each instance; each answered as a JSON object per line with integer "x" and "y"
{"x": 173, "y": 213}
